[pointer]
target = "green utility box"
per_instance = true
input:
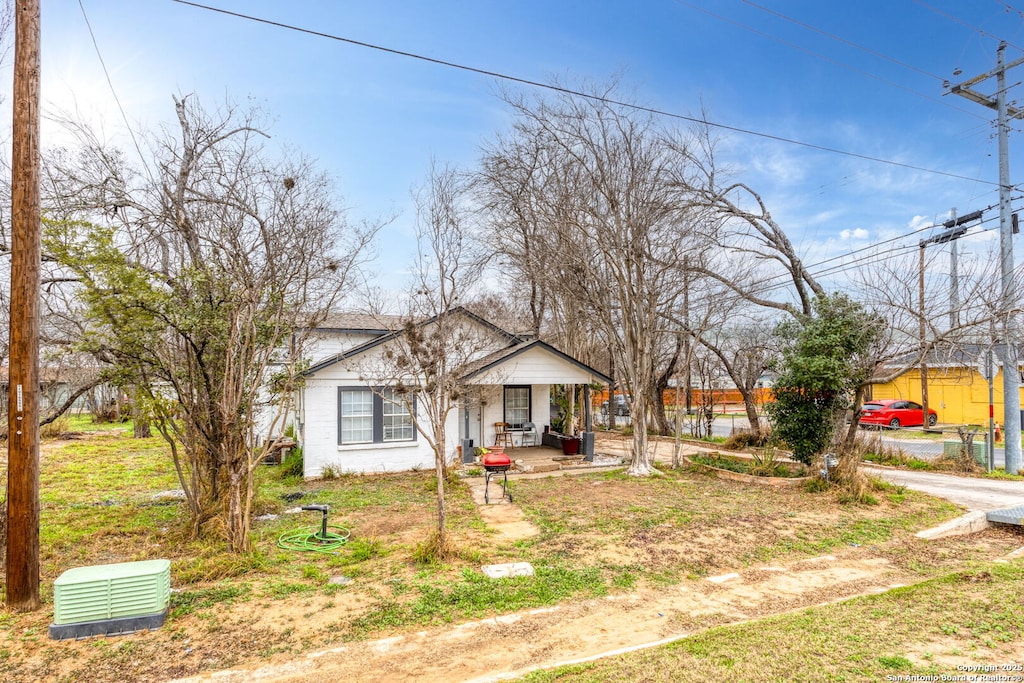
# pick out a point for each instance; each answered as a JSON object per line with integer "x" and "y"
{"x": 951, "y": 449}
{"x": 111, "y": 598}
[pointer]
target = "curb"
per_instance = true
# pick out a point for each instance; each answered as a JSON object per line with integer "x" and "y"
{"x": 970, "y": 523}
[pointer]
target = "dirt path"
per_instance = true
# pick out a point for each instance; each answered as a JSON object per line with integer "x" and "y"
{"x": 505, "y": 518}
{"x": 512, "y": 645}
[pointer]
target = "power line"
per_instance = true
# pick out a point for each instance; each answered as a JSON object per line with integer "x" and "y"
{"x": 869, "y": 252}
{"x": 110, "y": 83}
{"x": 576, "y": 93}
{"x": 1010, "y": 9}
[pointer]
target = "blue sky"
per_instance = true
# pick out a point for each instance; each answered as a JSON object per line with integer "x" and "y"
{"x": 375, "y": 120}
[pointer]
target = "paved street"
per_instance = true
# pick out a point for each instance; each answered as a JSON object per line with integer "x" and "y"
{"x": 921, "y": 448}
{"x": 971, "y": 492}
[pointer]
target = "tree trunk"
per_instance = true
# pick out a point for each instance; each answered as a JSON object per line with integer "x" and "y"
{"x": 851, "y": 432}
{"x": 142, "y": 429}
{"x": 238, "y": 514}
{"x": 442, "y": 517}
{"x": 611, "y": 390}
{"x": 750, "y": 404}
{"x": 661, "y": 384}
{"x": 639, "y": 464}
{"x": 658, "y": 409}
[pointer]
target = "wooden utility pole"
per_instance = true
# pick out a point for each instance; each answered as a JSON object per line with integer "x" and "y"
{"x": 22, "y": 561}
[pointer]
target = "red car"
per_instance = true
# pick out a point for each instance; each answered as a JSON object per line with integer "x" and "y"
{"x": 895, "y": 413}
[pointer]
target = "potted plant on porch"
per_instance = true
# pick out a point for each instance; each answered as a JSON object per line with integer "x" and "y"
{"x": 570, "y": 445}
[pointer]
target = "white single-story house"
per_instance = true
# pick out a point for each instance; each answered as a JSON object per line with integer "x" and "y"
{"x": 347, "y": 422}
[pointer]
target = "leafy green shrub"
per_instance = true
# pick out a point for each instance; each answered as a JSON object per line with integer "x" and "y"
{"x": 766, "y": 463}
{"x": 803, "y": 420}
{"x": 823, "y": 364}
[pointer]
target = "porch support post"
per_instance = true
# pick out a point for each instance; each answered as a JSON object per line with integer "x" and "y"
{"x": 587, "y": 442}
{"x": 466, "y": 442}
{"x": 589, "y": 426}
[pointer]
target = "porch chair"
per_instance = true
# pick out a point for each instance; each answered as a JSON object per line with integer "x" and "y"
{"x": 529, "y": 434}
{"x": 502, "y": 436}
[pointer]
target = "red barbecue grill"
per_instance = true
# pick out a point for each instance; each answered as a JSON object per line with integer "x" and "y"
{"x": 494, "y": 463}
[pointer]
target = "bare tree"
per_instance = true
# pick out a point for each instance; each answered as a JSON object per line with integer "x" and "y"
{"x": 753, "y": 246}
{"x": 745, "y": 349}
{"x": 601, "y": 190}
{"x": 421, "y": 365}
{"x": 199, "y": 274}
{"x": 506, "y": 186}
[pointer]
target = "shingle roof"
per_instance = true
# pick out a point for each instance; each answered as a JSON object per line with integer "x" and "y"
{"x": 361, "y": 322}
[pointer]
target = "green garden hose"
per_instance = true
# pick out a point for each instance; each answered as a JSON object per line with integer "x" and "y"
{"x": 312, "y": 539}
{"x": 320, "y": 540}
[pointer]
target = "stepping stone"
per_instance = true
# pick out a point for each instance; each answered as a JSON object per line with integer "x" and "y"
{"x": 501, "y": 571}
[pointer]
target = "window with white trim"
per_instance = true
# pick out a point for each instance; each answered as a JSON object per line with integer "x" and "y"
{"x": 368, "y": 416}
{"x": 517, "y": 406}
{"x": 397, "y": 421}
{"x": 356, "y": 416}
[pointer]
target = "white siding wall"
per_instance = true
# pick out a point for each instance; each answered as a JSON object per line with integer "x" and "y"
{"x": 327, "y": 344}
{"x": 536, "y": 366}
{"x": 318, "y": 412}
{"x": 320, "y": 434}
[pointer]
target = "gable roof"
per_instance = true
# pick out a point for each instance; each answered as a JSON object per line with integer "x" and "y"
{"x": 494, "y": 360}
{"x": 394, "y": 333}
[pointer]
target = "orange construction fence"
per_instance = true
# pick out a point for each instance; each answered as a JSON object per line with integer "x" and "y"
{"x": 716, "y": 396}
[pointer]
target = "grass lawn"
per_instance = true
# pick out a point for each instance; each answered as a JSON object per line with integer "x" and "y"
{"x": 600, "y": 534}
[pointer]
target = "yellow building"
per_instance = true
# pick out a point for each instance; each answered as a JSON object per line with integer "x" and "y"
{"x": 958, "y": 393}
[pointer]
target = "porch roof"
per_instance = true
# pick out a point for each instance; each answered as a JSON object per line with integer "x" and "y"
{"x": 533, "y": 362}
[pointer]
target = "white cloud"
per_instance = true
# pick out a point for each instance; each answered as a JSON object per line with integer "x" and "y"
{"x": 918, "y": 222}
{"x": 855, "y": 234}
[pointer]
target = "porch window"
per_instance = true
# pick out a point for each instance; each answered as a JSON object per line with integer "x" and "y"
{"x": 373, "y": 416}
{"x": 517, "y": 406}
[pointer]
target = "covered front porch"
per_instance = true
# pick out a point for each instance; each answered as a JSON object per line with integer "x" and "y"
{"x": 507, "y": 398}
